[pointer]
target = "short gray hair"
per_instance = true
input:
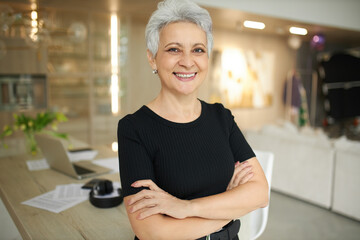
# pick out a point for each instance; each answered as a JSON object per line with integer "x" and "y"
{"x": 170, "y": 11}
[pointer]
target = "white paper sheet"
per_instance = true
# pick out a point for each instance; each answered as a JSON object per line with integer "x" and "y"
{"x": 40, "y": 164}
{"x": 70, "y": 191}
{"x": 46, "y": 201}
{"x": 111, "y": 163}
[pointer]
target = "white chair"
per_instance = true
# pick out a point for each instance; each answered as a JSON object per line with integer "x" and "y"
{"x": 253, "y": 224}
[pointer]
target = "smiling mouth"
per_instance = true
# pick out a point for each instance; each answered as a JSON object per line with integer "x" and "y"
{"x": 185, "y": 76}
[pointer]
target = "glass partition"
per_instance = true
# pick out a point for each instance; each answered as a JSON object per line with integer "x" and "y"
{"x": 75, "y": 51}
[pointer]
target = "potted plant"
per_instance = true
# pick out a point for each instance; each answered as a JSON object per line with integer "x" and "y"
{"x": 45, "y": 122}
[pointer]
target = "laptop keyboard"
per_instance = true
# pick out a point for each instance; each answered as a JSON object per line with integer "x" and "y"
{"x": 80, "y": 170}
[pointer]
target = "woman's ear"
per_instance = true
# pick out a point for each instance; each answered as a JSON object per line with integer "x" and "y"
{"x": 151, "y": 59}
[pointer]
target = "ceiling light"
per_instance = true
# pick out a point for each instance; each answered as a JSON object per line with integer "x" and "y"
{"x": 114, "y": 88}
{"x": 34, "y": 15}
{"x": 255, "y": 25}
{"x": 298, "y": 31}
{"x": 33, "y": 6}
{"x": 114, "y": 146}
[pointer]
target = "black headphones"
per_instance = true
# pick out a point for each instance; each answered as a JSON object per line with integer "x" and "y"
{"x": 99, "y": 191}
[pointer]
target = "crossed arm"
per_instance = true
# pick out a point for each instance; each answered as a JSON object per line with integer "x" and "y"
{"x": 155, "y": 214}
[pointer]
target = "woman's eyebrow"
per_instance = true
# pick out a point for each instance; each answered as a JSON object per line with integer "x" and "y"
{"x": 196, "y": 44}
{"x": 173, "y": 43}
{"x": 180, "y": 45}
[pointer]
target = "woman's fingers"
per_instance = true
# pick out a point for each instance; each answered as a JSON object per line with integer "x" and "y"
{"x": 242, "y": 174}
{"x": 146, "y": 183}
{"x": 239, "y": 176}
{"x": 150, "y": 202}
{"x": 237, "y": 164}
{"x": 246, "y": 178}
{"x": 143, "y": 194}
{"x": 143, "y": 203}
{"x": 154, "y": 200}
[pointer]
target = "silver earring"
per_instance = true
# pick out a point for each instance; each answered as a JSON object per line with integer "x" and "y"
{"x": 155, "y": 71}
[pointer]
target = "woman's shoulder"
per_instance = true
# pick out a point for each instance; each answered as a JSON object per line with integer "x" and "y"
{"x": 218, "y": 113}
{"x": 216, "y": 108}
{"x": 138, "y": 118}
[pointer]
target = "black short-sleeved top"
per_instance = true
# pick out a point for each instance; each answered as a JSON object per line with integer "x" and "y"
{"x": 187, "y": 160}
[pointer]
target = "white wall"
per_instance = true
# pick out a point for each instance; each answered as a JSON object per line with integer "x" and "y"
{"x": 335, "y": 13}
{"x": 142, "y": 85}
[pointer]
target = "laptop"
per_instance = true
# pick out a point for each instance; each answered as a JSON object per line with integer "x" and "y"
{"x": 55, "y": 154}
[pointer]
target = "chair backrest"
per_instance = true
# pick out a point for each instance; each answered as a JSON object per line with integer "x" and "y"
{"x": 254, "y": 223}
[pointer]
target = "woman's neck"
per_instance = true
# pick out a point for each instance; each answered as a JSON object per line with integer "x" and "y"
{"x": 176, "y": 109}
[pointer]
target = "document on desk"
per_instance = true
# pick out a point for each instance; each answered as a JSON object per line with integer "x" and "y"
{"x": 60, "y": 199}
{"x": 40, "y": 164}
{"x": 70, "y": 191}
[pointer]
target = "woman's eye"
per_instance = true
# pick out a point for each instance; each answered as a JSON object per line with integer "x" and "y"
{"x": 199, "y": 50}
{"x": 173, "y": 50}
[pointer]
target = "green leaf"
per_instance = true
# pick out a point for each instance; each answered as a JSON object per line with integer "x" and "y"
{"x": 29, "y": 126}
{"x": 61, "y": 117}
{"x": 57, "y": 134}
{"x": 7, "y": 131}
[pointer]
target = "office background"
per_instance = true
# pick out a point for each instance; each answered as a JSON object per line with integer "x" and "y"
{"x": 73, "y": 65}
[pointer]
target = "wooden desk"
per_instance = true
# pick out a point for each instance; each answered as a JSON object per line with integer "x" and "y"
{"x": 82, "y": 221}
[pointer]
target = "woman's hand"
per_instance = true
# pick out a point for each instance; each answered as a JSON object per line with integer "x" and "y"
{"x": 242, "y": 174}
{"x": 156, "y": 201}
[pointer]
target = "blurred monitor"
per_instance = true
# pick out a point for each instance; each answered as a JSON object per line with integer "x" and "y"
{"x": 23, "y": 91}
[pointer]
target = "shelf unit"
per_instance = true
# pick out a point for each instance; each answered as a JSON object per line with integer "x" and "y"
{"x": 79, "y": 73}
{"x": 76, "y": 61}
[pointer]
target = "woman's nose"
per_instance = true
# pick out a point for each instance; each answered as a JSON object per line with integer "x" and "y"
{"x": 186, "y": 60}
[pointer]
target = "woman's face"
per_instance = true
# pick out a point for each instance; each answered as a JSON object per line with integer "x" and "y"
{"x": 181, "y": 60}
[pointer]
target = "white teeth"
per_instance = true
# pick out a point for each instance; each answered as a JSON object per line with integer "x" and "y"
{"x": 185, "y": 75}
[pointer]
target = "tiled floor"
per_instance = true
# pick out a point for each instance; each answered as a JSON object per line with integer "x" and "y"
{"x": 8, "y": 230}
{"x": 289, "y": 219}
{"x": 292, "y": 219}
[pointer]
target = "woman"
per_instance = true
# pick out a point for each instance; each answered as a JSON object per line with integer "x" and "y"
{"x": 179, "y": 156}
